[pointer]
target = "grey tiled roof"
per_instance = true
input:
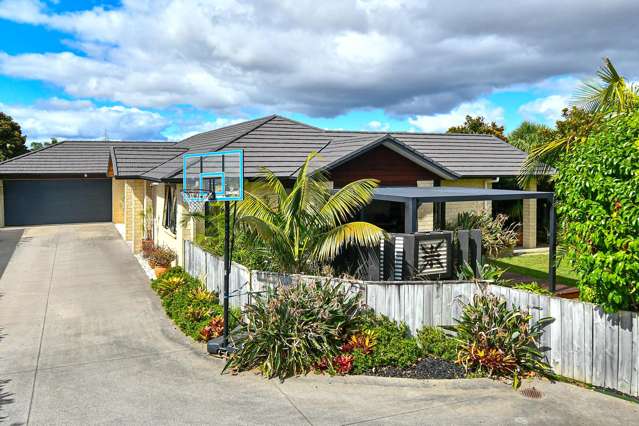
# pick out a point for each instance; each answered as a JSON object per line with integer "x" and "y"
{"x": 70, "y": 158}
{"x": 134, "y": 162}
{"x": 465, "y": 155}
{"x": 215, "y": 139}
{"x": 280, "y": 144}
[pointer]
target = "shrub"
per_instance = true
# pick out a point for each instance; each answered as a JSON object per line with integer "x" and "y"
{"x": 498, "y": 341}
{"x": 489, "y": 272}
{"x": 187, "y": 302}
{"x": 495, "y": 235}
{"x": 393, "y": 346}
{"x": 433, "y": 342}
{"x": 293, "y": 329}
{"x": 598, "y": 204}
{"x": 162, "y": 256}
{"x": 532, "y": 287}
{"x": 486, "y": 272}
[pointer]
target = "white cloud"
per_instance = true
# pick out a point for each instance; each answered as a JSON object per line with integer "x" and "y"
{"x": 457, "y": 116}
{"x": 62, "y": 119}
{"x": 547, "y": 109}
{"x": 28, "y": 11}
{"x": 408, "y": 57}
{"x": 378, "y": 126}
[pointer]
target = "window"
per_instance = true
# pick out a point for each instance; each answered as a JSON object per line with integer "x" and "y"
{"x": 170, "y": 208}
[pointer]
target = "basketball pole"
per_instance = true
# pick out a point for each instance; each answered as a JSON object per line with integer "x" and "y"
{"x": 227, "y": 270}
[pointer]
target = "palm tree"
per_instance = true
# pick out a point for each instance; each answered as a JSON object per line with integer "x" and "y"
{"x": 308, "y": 225}
{"x": 610, "y": 94}
{"x": 594, "y": 101}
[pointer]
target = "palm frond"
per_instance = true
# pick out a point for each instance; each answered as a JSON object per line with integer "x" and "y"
{"x": 362, "y": 234}
{"x": 255, "y": 205}
{"x": 305, "y": 194}
{"x": 271, "y": 183}
{"x": 347, "y": 201}
{"x": 280, "y": 248}
{"x": 608, "y": 93}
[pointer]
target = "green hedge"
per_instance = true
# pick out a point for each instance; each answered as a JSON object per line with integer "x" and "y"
{"x": 597, "y": 186}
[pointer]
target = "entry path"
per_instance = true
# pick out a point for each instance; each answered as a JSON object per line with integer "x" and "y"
{"x": 86, "y": 341}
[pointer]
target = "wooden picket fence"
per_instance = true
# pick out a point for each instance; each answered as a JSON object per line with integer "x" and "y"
{"x": 583, "y": 343}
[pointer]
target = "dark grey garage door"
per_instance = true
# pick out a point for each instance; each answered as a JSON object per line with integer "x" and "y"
{"x": 39, "y": 202}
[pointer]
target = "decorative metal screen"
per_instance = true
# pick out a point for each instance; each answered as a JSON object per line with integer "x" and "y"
{"x": 414, "y": 257}
{"x": 432, "y": 255}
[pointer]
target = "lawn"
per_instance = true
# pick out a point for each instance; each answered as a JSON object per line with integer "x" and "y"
{"x": 536, "y": 266}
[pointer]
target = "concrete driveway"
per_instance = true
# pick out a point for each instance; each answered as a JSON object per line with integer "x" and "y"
{"x": 86, "y": 341}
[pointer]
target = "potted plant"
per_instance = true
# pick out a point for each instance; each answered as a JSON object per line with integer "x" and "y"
{"x": 160, "y": 259}
{"x": 147, "y": 241}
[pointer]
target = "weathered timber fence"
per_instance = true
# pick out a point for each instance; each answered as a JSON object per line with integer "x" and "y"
{"x": 583, "y": 343}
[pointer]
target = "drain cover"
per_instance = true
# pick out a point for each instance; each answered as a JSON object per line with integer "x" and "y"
{"x": 532, "y": 393}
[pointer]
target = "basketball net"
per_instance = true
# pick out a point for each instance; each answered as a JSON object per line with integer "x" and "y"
{"x": 196, "y": 200}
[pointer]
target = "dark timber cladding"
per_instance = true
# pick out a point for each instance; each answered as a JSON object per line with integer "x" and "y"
{"x": 384, "y": 164}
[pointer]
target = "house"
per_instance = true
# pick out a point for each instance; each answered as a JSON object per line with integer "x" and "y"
{"x": 82, "y": 181}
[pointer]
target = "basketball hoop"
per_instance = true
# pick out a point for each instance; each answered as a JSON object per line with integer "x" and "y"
{"x": 215, "y": 176}
{"x": 196, "y": 200}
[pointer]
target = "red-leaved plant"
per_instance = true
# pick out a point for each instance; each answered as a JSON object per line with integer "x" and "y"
{"x": 213, "y": 329}
{"x": 343, "y": 363}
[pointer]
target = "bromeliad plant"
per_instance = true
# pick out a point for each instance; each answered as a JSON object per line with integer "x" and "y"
{"x": 496, "y": 236}
{"x": 498, "y": 341}
{"x": 308, "y": 225}
{"x": 293, "y": 330}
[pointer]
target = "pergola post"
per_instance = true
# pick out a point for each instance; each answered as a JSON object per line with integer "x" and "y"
{"x": 552, "y": 247}
{"x": 410, "y": 216}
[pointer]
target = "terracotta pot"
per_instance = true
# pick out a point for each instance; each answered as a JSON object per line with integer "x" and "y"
{"x": 147, "y": 248}
{"x": 160, "y": 270}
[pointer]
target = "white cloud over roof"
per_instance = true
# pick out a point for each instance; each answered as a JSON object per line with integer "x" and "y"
{"x": 408, "y": 57}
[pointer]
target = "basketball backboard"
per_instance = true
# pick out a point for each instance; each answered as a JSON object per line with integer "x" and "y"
{"x": 213, "y": 176}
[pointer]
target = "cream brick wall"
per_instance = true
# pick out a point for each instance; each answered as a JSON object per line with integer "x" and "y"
{"x": 117, "y": 200}
{"x": 133, "y": 208}
{"x": 453, "y": 209}
{"x": 165, "y": 237}
{"x": 183, "y": 230}
{"x": 425, "y": 210}
{"x": 530, "y": 219}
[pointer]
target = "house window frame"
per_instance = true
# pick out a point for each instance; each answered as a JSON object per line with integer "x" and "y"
{"x": 169, "y": 220}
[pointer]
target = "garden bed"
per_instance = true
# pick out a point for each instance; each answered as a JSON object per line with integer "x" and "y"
{"x": 425, "y": 368}
{"x": 193, "y": 308}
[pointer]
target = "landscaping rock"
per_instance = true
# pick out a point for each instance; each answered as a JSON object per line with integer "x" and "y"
{"x": 426, "y": 368}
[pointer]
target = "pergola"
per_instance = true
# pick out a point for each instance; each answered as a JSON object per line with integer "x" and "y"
{"x": 412, "y": 196}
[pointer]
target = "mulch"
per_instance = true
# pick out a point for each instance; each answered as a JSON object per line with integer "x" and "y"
{"x": 426, "y": 368}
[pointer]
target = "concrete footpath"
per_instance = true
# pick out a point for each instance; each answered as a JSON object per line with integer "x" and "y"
{"x": 85, "y": 341}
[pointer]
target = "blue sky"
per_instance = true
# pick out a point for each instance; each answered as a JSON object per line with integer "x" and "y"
{"x": 164, "y": 69}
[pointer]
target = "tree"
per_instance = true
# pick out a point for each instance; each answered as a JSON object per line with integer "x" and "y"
{"x": 595, "y": 102}
{"x": 308, "y": 225}
{"x": 12, "y": 141}
{"x": 529, "y": 135}
{"x": 39, "y": 145}
{"x": 479, "y": 126}
{"x": 598, "y": 205}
